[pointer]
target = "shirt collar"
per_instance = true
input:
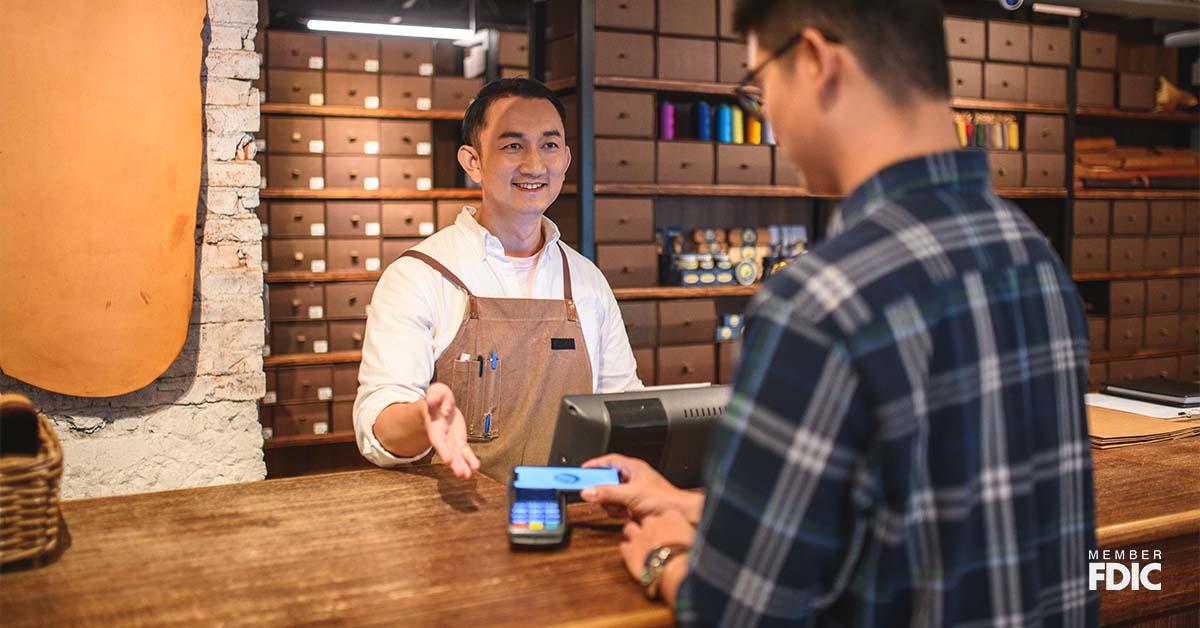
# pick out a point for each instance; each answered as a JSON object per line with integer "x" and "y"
{"x": 954, "y": 170}
{"x": 489, "y": 244}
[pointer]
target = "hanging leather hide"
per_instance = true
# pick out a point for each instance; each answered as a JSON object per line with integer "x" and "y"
{"x": 101, "y": 146}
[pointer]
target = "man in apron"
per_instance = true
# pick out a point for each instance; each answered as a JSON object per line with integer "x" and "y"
{"x": 475, "y": 334}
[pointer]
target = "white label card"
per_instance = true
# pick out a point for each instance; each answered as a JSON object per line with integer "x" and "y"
{"x": 316, "y": 146}
{"x": 262, "y": 182}
{"x": 316, "y": 311}
{"x": 372, "y": 263}
{"x": 262, "y": 97}
{"x": 372, "y": 229}
{"x": 266, "y": 229}
{"x": 424, "y": 183}
{"x": 316, "y": 183}
{"x": 320, "y": 427}
{"x": 371, "y": 183}
{"x": 316, "y": 100}
{"x": 270, "y": 397}
{"x": 266, "y": 351}
{"x": 260, "y": 145}
{"x": 371, "y": 148}
{"x": 371, "y": 65}
{"x": 316, "y": 63}
{"x": 424, "y": 148}
{"x": 371, "y": 102}
{"x": 320, "y": 346}
{"x": 425, "y": 69}
{"x": 425, "y": 228}
{"x": 265, "y": 264}
{"x": 318, "y": 266}
{"x": 324, "y": 393}
{"x": 424, "y": 104}
{"x": 317, "y": 229}
{"x": 268, "y": 433}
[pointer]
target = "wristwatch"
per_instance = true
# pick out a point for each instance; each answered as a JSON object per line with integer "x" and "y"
{"x": 656, "y": 562}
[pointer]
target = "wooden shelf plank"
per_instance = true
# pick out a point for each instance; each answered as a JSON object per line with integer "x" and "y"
{"x": 385, "y": 195}
{"x": 1184, "y": 117}
{"x": 651, "y": 84}
{"x": 312, "y": 359}
{"x": 682, "y": 292}
{"x": 1031, "y": 192}
{"x": 307, "y": 440}
{"x": 679, "y": 189}
{"x": 1102, "y": 275}
{"x": 360, "y": 112}
{"x": 981, "y": 104}
{"x": 1137, "y": 195}
{"x": 302, "y": 276}
{"x": 1105, "y": 356}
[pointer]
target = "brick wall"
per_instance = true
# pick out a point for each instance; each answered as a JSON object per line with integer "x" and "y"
{"x": 197, "y": 424}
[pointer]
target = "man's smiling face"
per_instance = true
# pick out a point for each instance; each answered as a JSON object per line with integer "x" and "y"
{"x": 524, "y": 157}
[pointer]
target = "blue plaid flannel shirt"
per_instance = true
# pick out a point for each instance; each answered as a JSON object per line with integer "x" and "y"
{"x": 907, "y": 442}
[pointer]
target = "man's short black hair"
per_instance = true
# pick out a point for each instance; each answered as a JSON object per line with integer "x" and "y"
{"x": 498, "y": 89}
{"x": 901, "y": 45}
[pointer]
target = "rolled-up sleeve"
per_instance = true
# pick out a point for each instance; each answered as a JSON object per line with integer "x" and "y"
{"x": 398, "y": 352}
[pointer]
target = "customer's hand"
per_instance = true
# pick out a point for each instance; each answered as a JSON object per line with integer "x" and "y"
{"x": 447, "y": 431}
{"x": 668, "y": 528}
{"x": 642, "y": 492}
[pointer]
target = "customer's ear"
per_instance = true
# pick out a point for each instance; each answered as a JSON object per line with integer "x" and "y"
{"x": 471, "y": 163}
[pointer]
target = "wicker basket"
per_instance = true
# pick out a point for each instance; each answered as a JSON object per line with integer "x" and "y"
{"x": 29, "y": 493}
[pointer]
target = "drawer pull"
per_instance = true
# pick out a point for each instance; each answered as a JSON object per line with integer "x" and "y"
{"x": 1004, "y": 83}
{"x": 743, "y": 166}
{"x": 620, "y": 55}
{"x": 357, "y": 336}
{"x": 1088, "y": 255}
{"x": 295, "y": 52}
{"x": 406, "y": 139}
{"x": 627, "y": 269}
{"x": 1045, "y": 173}
{"x": 1162, "y": 332}
{"x": 1128, "y": 254}
{"x": 295, "y": 304}
{"x": 622, "y": 115}
{"x": 623, "y": 162}
{"x": 297, "y": 217}
{"x": 408, "y": 94}
{"x": 1091, "y": 220}
{"x": 351, "y": 138}
{"x": 522, "y": 49}
{"x": 1008, "y": 42}
{"x": 353, "y": 175}
{"x": 353, "y": 299}
{"x": 295, "y": 88}
{"x": 684, "y": 165}
{"x": 407, "y": 54}
{"x": 408, "y": 220}
{"x": 958, "y": 81}
{"x": 354, "y": 256}
{"x": 687, "y": 323}
{"x": 1128, "y": 300}
{"x": 622, "y": 220}
{"x": 687, "y": 369}
{"x": 353, "y": 56}
{"x": 1002, "y": 171}
{"x": 301, "y": 339}
{"x": 354, "y": 220}
{"x": 298, "y": 256}
{"x": 962, "y": 40}
{"x": 295, "y": 173}
{"x": 295, "y": 136}
{"x": 1051, "y": 47}
{"x": 1128, "y": 335}
{"x": 1045, "y": 132}
{"x": 352, "y": 92}
{"x": 623, "y": 6}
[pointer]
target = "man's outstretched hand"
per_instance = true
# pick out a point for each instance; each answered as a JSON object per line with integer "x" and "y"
{"x": 447, "y": 431}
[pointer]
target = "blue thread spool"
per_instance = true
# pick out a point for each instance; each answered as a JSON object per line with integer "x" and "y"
{"x": 724, "y": 124}
{"x": 703, "y": 121}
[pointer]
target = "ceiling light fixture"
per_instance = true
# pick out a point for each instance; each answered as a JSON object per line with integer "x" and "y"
{"x": 394, "y": 30}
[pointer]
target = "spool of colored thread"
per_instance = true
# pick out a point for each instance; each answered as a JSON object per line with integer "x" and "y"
{"x": 703, "y": 121}
{"x": 724, "y": 124}
{"x": 768, "y": 135}
{"x": 753, "y": 130}
{"x": 739, "y": 126}
{"x": 666, "y": 121}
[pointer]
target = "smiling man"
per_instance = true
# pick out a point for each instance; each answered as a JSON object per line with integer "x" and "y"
{"x": 475, "y": 334}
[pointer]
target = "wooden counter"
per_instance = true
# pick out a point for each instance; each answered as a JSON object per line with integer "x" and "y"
{"x": 418, "y": 547}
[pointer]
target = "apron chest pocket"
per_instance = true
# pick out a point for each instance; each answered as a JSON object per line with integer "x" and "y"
{"x": 476, "y": 386}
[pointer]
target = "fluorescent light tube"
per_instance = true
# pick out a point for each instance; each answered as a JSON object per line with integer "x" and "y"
{"x": 395, "y": 30}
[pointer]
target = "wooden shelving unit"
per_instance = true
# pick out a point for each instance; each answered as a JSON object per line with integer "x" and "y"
{"x": 1181, "y": 117}
{"x": 370, "y": 195}
{"x": 980, "y": 104}
{"x": 308, "y": 440}
{"x": 1102, "y": 275}
{"x": 679, "y": 189}
{"x": 302, "y": 276}
{"x": 312, "y": 359}
{"x": 360, "y": 112}
{"x": 1138, "y": 195}
{"x": 683, "y": 292}
{"x": 1107, "y": 356}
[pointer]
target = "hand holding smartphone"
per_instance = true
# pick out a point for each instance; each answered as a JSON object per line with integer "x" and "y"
{"x": 538, "y": 504}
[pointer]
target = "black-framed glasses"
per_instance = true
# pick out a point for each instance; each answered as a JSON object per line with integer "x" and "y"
{"x": 748, "y": 94}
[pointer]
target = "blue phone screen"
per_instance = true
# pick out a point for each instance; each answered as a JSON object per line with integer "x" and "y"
{"x": 564, "y": 478}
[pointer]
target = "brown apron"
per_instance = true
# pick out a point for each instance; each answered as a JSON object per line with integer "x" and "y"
{"x": 511, "y": 403}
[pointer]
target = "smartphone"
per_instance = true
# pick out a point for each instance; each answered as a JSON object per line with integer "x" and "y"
{"x": 563, "y": 478}
{"x": 537, "y": 502}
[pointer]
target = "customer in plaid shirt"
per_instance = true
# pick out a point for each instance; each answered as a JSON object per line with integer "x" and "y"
{"x": 906, "y": 443}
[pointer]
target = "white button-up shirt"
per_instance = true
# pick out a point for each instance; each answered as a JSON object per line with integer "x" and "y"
{"x": 415, "y": 313}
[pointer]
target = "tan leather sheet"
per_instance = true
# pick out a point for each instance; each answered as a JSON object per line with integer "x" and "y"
{"x": 100, "y": 158}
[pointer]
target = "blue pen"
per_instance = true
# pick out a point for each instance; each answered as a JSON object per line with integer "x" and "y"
{"x": 487, "y": 423}
{"x": 494, "y": 358}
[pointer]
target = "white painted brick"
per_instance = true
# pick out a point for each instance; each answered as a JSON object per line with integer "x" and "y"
{"x": 222, "y": 148}
{"x": 232, "y": 281}
{"x": 231, "y": 121}
{"x": 224, "y": 201}
{"x": 242, "y": 64}
{"x": 232, "y": 174}
{"x": 224, "y": 308}
{"x": 227, "y": 91}
{"x": 249, "y": 197}
{"x": 237, "y": 11}
{"x": 227, "y": 37}
{"x": 241, "y": 227}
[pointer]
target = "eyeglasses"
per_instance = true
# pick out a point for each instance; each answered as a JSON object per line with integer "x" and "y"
{"x": 748, "y": 94}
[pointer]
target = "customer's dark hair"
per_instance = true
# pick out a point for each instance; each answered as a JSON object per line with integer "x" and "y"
{"x": 901, "y": 45}
{"x": 498, "y": 89}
